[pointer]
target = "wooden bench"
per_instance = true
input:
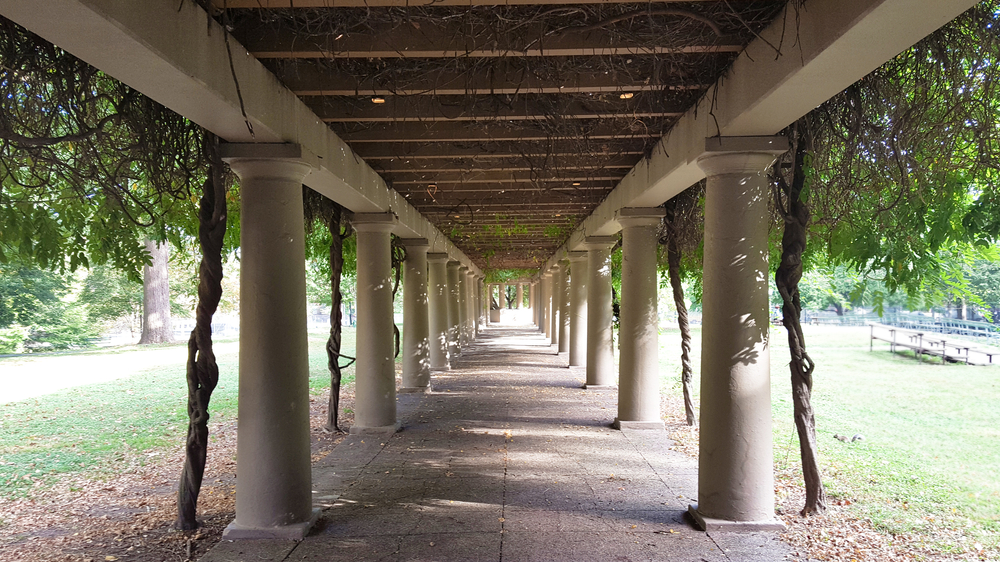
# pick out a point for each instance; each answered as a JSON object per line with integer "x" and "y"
{"x": 922, "y": 343}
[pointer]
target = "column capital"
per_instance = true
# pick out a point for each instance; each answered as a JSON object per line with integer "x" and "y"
{"x": 463, "y": 267}
{"x": 437, "y": 257}
{"x": 281, "y": 161}
{"x": 640, "y": 216}
{"x": 576, "y": 256}
{"x": 740, "y": 155}
{"x": 415, "y": 243}
{"x": 373, "y": 222}
{"x": 454, "y": 264}
{"x": 600, "y": 242}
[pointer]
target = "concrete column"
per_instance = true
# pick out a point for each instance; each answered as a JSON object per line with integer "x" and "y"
{"x": 519, "y": 295}
{"x": 480, "y": 319}
{"x": 375, "y": 382}
{"x": 531, "y": 295}
{"x": 564, "y": 306}
{"x": 554, "y": 304}
{"x": 470, "y": 306}
{"x": 735, "y": 479}
{"x": 578, "y": 309}
{"x": 454, "y": 344}
{"x": 416, "y": 321}
{"x": 600, "y": 355}
{"x": 639, "y": 375}
{"x": 503, "y": 296}
{"x": 463, "y": 306}
{"x": 547, "y": 304}
{"x": 438, "y": 303}
{"x": 273, "y": 492}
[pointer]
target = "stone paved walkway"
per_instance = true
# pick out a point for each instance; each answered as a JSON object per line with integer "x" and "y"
{"x": 508, "y": 459}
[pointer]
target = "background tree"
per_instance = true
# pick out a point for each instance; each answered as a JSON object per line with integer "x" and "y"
{"x": 337, "y": 229}
{"x": 113, "y": 299}
{"x": 156, "y": 326}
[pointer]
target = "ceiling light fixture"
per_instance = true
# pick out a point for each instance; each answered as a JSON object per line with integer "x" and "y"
{"x": 626, "y": 95}
{"x": 378, "y": 99}
{"x": 576, "y": 184}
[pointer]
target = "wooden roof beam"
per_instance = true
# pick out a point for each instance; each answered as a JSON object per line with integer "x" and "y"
{"x": 388, "y": 151}
{"x": 499, "y": 132}
{"x": 266, "y": 40}
{"x": 307, "y": 78}
{"x": 582, "y": 164}
{"x": 267, "y": 4}
{"x": 431, "y": 109}
{"x": 492, "y": 177}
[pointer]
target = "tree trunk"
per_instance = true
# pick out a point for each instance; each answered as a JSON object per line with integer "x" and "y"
{"x": 202, "y": 371}
{"x": 336, "y": 319}
{"x": 156, "y": 326}
{"x": 793, "y": 242}
{"x": 674, "y": 272}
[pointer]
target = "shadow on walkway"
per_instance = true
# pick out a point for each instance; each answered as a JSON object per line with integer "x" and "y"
{"x": 507, "y": 459}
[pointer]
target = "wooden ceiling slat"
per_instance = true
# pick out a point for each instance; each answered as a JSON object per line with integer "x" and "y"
{"x": 308, "y": 78}
{"x": 388, "y": 151}
{"x": 427, "y": 109}
{"x": 456, "y": 39}
{"x": 582, "y": 164}
{"x": 270, "y": 4}
{"x": 498, "y": 132}
{"x": 491, "y": 177}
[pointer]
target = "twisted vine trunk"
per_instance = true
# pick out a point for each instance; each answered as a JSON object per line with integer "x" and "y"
{"x": 793, "y": 242}
{"x": 336, "y": 318}
{"x": 674, "y": 272}
{"x": 202, "y": 371}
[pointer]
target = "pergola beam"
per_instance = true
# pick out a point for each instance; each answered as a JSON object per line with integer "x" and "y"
{"x": 491, "y": 177}
{"x": 267, "y": 4}
{"x": 177, "y": 55}
{"x": 427, "y": 109}
{"x": 581, "y": 165}
{"x": 388, "y": 151}
{"x": 308, "y": 78}
{"x": 265, "y": 40}
{"x": 498, "y": 132}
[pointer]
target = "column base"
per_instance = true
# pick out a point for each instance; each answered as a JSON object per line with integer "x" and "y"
{"x": 440, "y": 369}
{"x": 377, "y": 430}
{"x": 709, "y": 524}
{"x": 413, "y": 389}
{"x": 600, "y": 387}
{"x": 624, "y": 424}
{"x": 297, "y": 531}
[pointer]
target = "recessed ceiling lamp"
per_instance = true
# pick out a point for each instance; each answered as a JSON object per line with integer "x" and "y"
{"x": 576, "y": 184}
{"x": 458, "y": 216}
{"x": 558, "y": 215}
{"x": 378, "y": 99}
{"x": 626, "y": 95}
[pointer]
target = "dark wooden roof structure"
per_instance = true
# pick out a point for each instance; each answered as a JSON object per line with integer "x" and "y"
{"x": 505, "y": 125}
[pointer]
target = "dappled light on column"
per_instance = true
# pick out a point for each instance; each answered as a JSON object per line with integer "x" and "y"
{"x": 416, "y": 322}
{"x": 437, "y": 298}
{"x": 375, "y": 375}
{"x": 735, "y": 481}
{"x": 600, "y": 355}
{"x": 273, "y": 497}
{"x": 639, "y": 376}
{"x": 454, "y": 341}
{"x": 578, "y": 309}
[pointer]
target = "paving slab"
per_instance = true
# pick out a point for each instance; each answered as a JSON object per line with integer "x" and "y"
{"x": 508, "y": 458}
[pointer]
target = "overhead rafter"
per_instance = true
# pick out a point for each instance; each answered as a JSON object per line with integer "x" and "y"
{"x": 499, "y": 132}
{"x": 457, "y": 39}
{"x": 408, "y": 3}
{"x": 341, "y": 109}
{"x": 311, "y": 78}
{"x": 492, "y": 176}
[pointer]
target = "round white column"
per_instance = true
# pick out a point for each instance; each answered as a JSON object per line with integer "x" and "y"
{"x": 564, "y": 320}
{"x": 600, "y": 355}
{"x": 375, "y": 374}
{"x": 454, "y": 343}
{"x": 416, "y": 322}
{"x": 480, "y": 321}
{"x": 519, "y": 295}
{"x": 470, "y": 305}
{"x": 463, "y": 306}
{"x": 548, "y": 280}
{"x": 273, "y": 491}
{"x": 503, "y": 296}
{"x": 578, "y": 309}
{"x": 639, "y": 374}
{"x": 438, "y": 303}
{"x": 735, "y": 465}
{"x": 555, "y": 304}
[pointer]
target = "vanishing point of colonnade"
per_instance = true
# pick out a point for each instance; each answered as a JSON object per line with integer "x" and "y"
{"x": 445, "y": 304}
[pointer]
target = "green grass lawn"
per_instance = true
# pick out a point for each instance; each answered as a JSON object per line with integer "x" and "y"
{"x": 93, "y": 427}
{"x": 931, "y": 455}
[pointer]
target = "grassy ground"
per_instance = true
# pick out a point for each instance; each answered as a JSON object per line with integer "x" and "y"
{"x": 931, "y": 455}
{"x": 142, "y": 407}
